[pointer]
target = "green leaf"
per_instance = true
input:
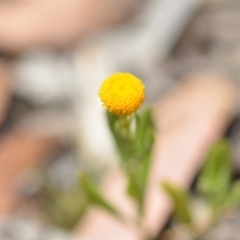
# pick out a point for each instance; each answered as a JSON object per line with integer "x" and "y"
{"x": 181, "y": 202}
{"x": 113, "y": 122}
{"x": 134, "y": 141}
{"x": 144, "y": 169}
{"x": 97, "y": 198}
{"x": 133, "y": 189}
{"x": 66, "y": 207}
{"x": 144, "y": 124}
{"x": 215, "y": 177}
{"x": 233, "y": 197}
{"x": 143, "y": 141}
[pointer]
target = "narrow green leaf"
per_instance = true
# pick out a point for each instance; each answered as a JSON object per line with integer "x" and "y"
{"x": 134, "y": 190}
{"x": 65, "y": 208}
{"x": 181, "y": 202}
{"x": 120, "y": 142}
{"x": 233, "y": 197}
{"x": 143, "y": 175}
{"x": 144, "y": 122}
{"x": 215, "y": 177}
{"x": 144, "y": 139}
{"x": 146, "y": 158}
{"x": 96, "y": 197}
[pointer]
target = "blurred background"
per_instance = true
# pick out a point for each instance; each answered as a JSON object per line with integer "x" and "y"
{"x": 54, "y": 54}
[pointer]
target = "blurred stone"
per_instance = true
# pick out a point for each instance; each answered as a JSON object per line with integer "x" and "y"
{"x": 24, "y": 229}
{"x": 63, "y": 172}
{"x": 44, "y": 78}
{"x": 226, "y": 228}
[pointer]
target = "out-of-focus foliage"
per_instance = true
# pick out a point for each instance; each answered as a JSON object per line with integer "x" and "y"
{"x": 96, "y": 197}
{"x": 215, "y": 178}
{"x": 181, "y": 202}
{"x": 215, "y": 186}
{"x": 134, "y": 137}
{"x": 65, "y": 207}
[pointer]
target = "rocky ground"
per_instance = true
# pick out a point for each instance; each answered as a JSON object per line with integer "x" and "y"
{"x": 210, "y": 40}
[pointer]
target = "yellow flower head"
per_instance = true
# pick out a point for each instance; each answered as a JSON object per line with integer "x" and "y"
{"x": 122, "y": 93}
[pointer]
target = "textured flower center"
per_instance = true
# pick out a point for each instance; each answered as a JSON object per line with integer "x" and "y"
{"x": 122, "y": 93}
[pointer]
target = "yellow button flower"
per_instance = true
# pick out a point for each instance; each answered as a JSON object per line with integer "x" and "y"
{"x": 122, "y": 93}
